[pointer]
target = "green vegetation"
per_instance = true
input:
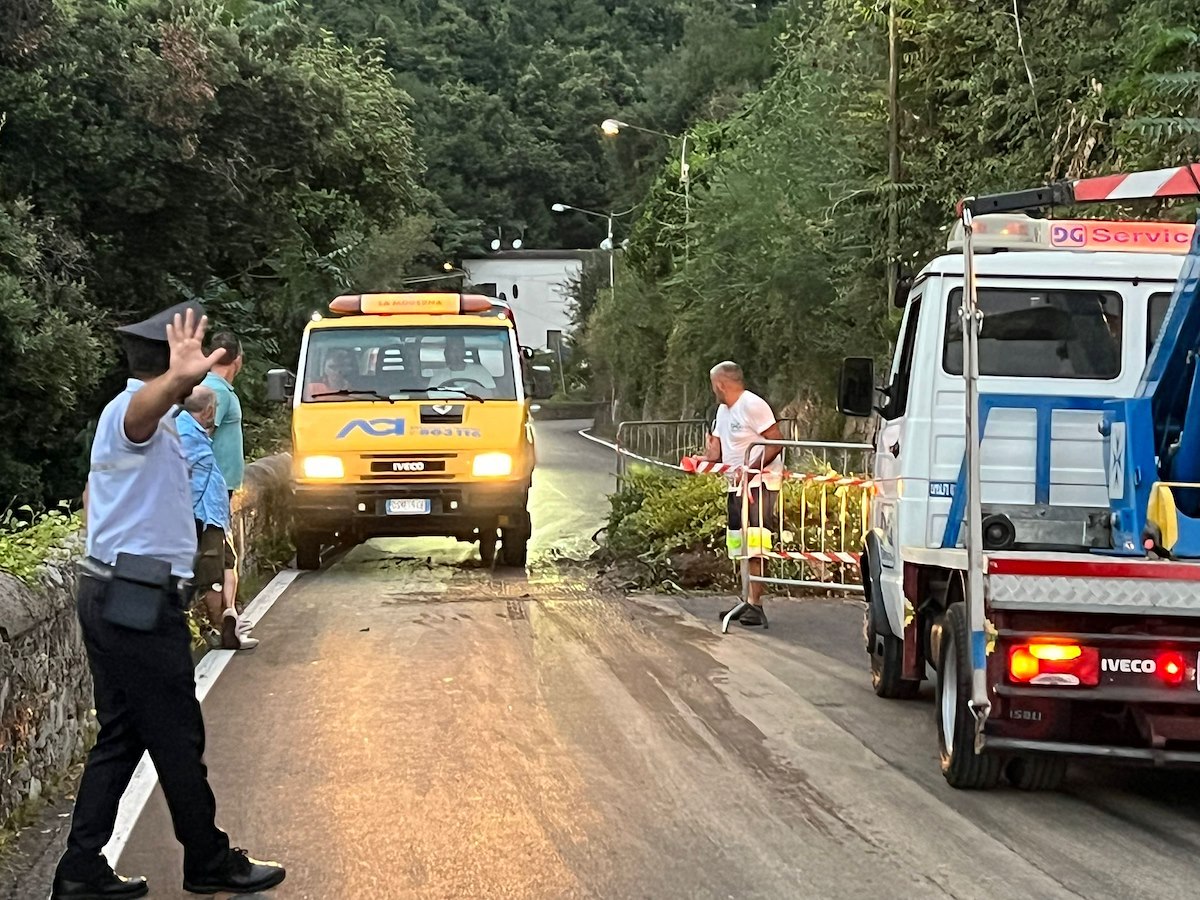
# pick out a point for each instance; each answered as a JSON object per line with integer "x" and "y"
{"x": 675, "y": 524}
{"x": 778, "y": 255}
{"x": 266, "y": 156}
{"x": 27, "y": 539}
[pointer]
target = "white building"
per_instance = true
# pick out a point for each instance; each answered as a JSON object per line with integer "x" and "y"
{"x": 536, "y": 283}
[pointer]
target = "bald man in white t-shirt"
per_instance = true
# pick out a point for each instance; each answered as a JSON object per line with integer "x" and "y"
{"x": 743, "y": 418}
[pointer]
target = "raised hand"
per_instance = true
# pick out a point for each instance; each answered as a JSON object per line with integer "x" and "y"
{"x": 185, "y": 336}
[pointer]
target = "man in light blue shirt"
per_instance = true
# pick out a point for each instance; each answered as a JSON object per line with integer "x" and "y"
{"x": 215, "y": 578}
{"x": 139, "y": 505}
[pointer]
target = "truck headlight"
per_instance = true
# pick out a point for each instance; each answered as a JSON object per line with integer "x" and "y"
{"x": 323, "y": 467}
{"x": 492, "y": 465}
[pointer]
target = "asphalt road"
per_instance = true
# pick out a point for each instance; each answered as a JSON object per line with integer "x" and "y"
{"x": 413, "y": 726}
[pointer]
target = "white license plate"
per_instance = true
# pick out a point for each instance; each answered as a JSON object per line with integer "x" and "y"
{"x": 408, "y": 507}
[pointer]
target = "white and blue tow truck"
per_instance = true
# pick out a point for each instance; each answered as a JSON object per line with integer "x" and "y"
{"x": 1034, "y": 538}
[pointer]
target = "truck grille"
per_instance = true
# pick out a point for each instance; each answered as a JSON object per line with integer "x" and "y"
{"x": 407, "y": 466}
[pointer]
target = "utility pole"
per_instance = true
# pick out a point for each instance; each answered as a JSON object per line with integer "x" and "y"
{"x": 893, "y": 210}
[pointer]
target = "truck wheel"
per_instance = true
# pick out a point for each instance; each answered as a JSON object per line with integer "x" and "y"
{"x": 1037, "y": 773}
{"x": 514, "y": 544}
{"x": 962, "y": 767}
{"x": 487, "y": 547}
{"x": 308, "y": 550}
{"x": 887, "y": 662}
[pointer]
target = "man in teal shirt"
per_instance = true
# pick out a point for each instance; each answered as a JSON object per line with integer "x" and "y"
{"x": 227, "y": 438}
{"x": 227, "y": 434}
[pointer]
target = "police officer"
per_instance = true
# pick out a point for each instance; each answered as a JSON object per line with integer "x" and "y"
{"x": 141, "y": 542}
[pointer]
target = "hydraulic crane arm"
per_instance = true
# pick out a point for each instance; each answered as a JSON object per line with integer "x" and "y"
{"x": 1177, "y": 181}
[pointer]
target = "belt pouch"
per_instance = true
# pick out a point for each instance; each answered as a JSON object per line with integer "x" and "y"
{"x": 138, "y": 592}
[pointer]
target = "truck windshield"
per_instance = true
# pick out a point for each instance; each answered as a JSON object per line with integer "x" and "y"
{"x": 450, "y": 363}
{"x": 1040, "y": 333}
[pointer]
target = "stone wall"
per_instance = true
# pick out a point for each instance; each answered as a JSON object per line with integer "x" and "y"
{"x": 262, "y": 515}
{"x": 46, "y": 716}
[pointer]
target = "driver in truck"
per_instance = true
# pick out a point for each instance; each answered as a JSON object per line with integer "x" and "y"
{"x": 458, "y": 368}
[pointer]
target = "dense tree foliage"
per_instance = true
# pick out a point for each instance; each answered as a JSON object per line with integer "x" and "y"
{"x": 264, "y": 156}
{"x": 156, "y": 150}
{"x": 777, "y": 255}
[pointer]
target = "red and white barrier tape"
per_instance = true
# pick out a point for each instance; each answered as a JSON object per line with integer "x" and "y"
{"x": 828, "y": 556}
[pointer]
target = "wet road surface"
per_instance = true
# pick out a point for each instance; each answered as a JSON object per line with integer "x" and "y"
{"x": 415, "y": 726}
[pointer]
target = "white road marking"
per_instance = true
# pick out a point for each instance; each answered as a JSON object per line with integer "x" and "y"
{"x": 583, "y": 433}
{"x": 141, "y": 786}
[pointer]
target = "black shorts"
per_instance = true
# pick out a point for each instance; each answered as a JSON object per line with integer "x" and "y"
{"x": 213, "y": 556}
{"x": 762, "y": 521}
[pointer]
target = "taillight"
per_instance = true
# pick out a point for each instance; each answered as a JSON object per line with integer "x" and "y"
{"x": 1054, "y": 663}
{"x": 1170, "y": 667}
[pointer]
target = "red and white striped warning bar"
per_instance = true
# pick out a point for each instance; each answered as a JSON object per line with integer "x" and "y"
{"x": 1178, "y": 181}
{"x": 702, "y": 466}
{"x": 827, "y": 556}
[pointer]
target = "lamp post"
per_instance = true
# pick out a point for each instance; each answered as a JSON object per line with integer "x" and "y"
{"x": 612, "y": 128}
{"x": 608, "y": 217}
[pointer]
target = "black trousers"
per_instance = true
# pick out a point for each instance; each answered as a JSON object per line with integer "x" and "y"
{"x": 146, "y": 701}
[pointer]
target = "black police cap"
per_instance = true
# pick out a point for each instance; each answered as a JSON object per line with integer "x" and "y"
{"x": 155, "y": 327}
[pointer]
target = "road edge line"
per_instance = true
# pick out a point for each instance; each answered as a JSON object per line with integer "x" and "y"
{"x": 144, "y": 779}
{"x": 583, "y": 433}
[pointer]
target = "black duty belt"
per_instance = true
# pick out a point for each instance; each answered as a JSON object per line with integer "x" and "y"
{"x": 98, "y": 570}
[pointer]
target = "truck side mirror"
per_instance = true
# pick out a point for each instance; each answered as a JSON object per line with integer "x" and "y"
{"x": 526, "y": 352}
{"x": 281, "y": 384}
{"x": 542, "y": 387}
{"x": 856, "y": 387}
{"x": 904, "y": 285}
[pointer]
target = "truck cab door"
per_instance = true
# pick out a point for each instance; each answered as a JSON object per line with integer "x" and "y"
{"x": 890, "y": 440}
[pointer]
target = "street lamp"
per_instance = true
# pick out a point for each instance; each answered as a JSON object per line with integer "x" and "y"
{"x": 612, "y": 128}
{"x": 498, "y": 241}
{"x": 608, "y": 244}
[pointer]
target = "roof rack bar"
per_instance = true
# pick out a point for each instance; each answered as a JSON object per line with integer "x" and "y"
{"x": 1177, "y": 181}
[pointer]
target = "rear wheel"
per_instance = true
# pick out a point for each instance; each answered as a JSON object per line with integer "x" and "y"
{"x": 962, "y": 767}
{"x": 1037, "y": 773}
{"x": 887, "y": 662}
{"x": 308, "y": 550}
{"x": 514, "y": 543}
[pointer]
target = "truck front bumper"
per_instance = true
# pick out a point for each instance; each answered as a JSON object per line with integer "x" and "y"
{"x": 455, "y": 509}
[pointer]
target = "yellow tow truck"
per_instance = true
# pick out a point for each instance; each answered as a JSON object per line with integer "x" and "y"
{"x": 410, "y": 417}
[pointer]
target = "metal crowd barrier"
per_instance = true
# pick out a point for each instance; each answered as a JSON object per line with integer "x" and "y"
{"x": 663, "y": 442}
{"x": 658, "y": 442}
{"x": 822, "y": 515}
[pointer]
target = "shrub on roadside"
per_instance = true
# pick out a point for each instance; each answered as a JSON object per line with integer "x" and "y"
{"x": 655, "y": 514}
{"x": 28, "y": 539}
{"x": 675, "y": 525}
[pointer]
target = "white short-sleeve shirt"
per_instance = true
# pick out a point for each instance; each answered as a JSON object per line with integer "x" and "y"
{"x": 139, "y": 495}
{"x": 739, "y": 426}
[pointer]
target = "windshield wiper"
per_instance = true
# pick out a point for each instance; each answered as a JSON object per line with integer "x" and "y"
{"x": 347, "y": 392}
{"x": 455, "y": 390}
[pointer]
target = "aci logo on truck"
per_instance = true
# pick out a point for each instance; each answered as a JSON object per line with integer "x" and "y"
{"x": 373, "y": 427}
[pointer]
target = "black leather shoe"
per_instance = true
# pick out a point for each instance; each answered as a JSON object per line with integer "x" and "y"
{"x": 109, "y": 887}
{"x": 239, "y": 875}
